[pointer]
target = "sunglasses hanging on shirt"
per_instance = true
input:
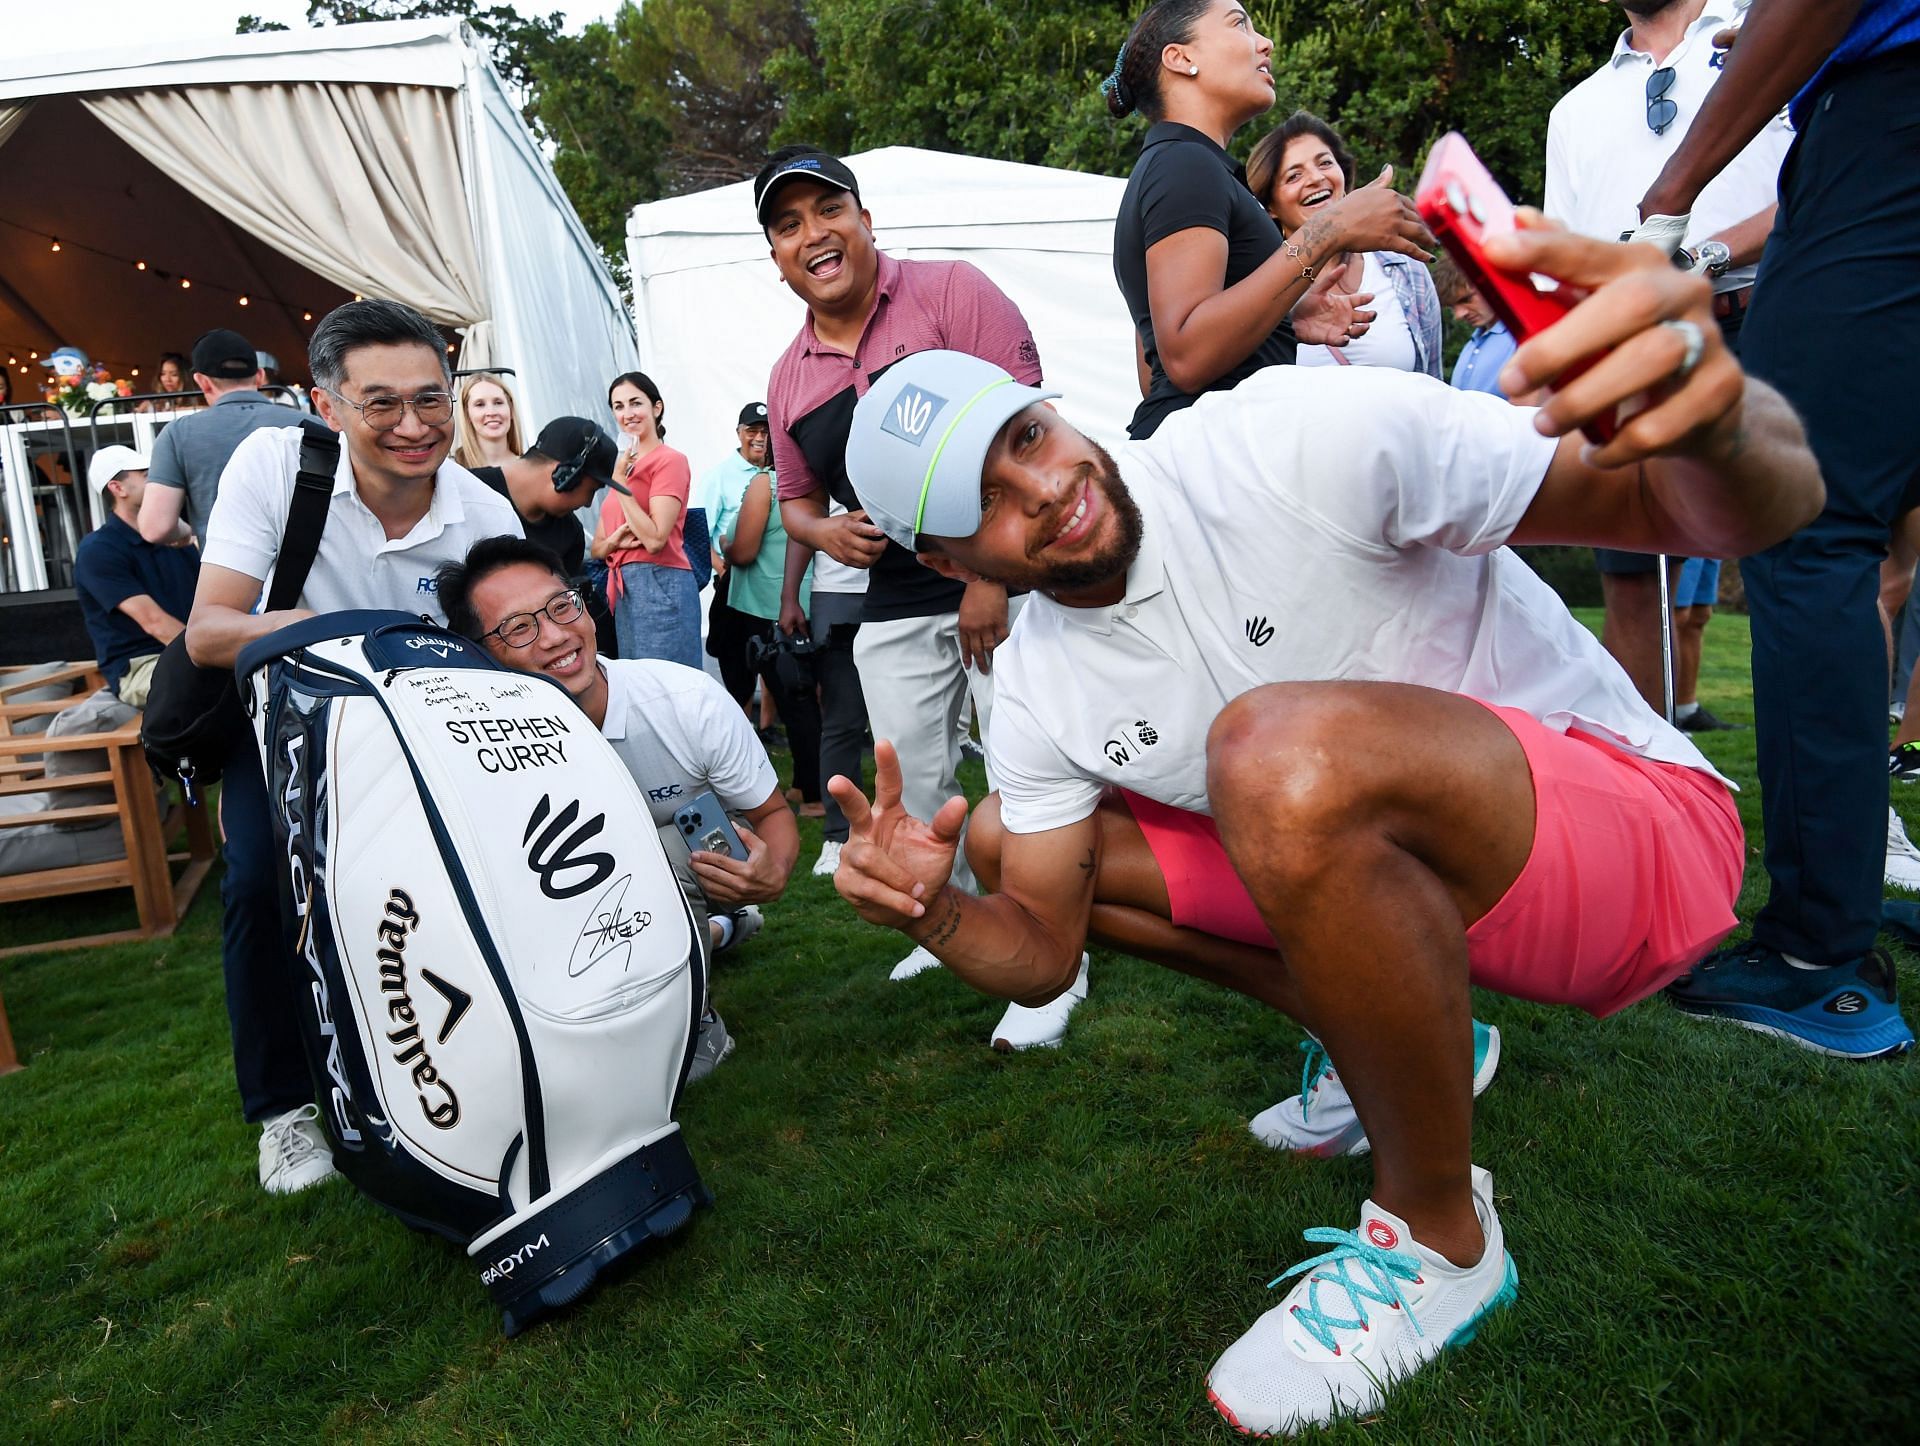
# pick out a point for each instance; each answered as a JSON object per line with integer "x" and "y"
{"x": 1660, "y": 110}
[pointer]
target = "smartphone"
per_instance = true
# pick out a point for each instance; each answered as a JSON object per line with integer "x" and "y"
{"x": 703, "y": 823}
{"x": 1462, "y": 205}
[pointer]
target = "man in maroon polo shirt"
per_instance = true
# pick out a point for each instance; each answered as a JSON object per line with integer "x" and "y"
{"x": 924, "y": 641}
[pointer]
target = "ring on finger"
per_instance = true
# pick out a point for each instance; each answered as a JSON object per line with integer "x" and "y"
{"x": 1695, "y": 342}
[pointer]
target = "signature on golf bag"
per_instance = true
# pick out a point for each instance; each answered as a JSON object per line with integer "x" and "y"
{"x": 499, "y": 980}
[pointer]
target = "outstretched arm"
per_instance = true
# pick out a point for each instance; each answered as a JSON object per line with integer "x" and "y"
{"x": 1715, "y": 464}
{"x": 1022, "y": 943}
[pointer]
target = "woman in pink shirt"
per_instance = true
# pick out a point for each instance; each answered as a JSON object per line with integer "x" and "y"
{"x": 655, "y": 601}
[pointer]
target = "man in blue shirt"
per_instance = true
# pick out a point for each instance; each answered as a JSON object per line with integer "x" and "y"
{"x": 134, "y": 596}
{"x": 1831, "y": 325}
{"x": 1477, "y": 368}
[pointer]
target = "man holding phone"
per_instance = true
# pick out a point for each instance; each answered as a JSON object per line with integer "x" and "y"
{"x": 680, "y": 735}
{"x": 1394, "y": 762}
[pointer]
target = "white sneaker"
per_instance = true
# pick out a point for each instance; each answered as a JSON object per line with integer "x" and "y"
{"x": 918, "y": 962}
{"x": 294, "y": 1152}
{"x": 1903, "y": 859}
{"x": 828, "y": 863}
{"x": 1376, "y": 1307}
{"x": 1320, "y": 1120}
{"x": 1042, "y": 1028}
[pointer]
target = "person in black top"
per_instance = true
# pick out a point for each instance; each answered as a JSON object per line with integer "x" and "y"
{"x": 1210, "y": 283}
{"x": 134, "y": 595}
{"x": 552, "y": 480}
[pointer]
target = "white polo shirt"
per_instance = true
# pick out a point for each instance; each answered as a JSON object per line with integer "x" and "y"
{"x": 680, "y": 734}
{"x": 1310, "y": 524}
{"x": 1602, "y": 156}
{"x": 358, "y": 565}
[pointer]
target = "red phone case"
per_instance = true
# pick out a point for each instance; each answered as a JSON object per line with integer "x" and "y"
{"x": 1462, "y": 204}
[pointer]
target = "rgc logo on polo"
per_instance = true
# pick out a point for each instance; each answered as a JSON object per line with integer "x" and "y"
{"x": 911, "y": 416}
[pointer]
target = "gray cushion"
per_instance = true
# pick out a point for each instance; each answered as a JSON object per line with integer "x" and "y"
{"x": 36, "y": 695}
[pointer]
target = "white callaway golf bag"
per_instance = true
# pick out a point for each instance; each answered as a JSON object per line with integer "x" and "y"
{"x": 498, "y": 976}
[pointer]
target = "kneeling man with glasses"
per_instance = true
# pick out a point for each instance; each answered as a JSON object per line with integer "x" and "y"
{"x": 676, "y": 729}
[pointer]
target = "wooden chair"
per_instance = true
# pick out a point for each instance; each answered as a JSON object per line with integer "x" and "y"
{"x": 160, "y": 899}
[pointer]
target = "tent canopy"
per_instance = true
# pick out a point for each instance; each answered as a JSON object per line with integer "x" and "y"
{"x": 296, "y": 168}
{"x": 713, "y": 314}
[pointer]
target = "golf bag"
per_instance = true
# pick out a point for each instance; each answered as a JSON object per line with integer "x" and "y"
{"x": 498, "y": 976}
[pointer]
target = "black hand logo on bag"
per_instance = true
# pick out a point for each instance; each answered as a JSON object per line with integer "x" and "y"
{"x": 548, "y": 854}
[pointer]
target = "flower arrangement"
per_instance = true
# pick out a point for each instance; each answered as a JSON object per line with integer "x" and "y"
{"x": 74, "y": 383}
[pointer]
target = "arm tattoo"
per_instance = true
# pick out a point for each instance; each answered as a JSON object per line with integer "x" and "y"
{"x": 1086, "y": 864}
{"x": 946, "y": 926}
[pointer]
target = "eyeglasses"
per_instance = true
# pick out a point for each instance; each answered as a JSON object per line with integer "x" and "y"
{"x": 433, "y": 409}
{"x": 521, "y": 629}
{"x": 1660, "y": 110}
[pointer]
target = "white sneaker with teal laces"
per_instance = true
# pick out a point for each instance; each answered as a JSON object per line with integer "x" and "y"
{"x": 1374, "y": 1309}
{"x": 1320, "y": 1119}
{"x": 1044, "y": 1027}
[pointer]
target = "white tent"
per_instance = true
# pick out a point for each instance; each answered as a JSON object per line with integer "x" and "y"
{"x": 713, "y": 315}
{"x": 296, "y": 168}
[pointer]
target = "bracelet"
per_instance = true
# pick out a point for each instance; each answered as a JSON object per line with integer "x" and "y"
{"x": 1294, "y": 253}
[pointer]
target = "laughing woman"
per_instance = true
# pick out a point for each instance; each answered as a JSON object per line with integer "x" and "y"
{"x": 656, "y": 604}
{"x": 1302, "y": 169}
{"x": 1208, "y": 278}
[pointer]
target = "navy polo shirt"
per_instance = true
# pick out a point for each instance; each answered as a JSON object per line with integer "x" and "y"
{"x": 115, "y": 563}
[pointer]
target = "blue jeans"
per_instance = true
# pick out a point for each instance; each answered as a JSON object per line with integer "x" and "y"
{"x": 658, "y": 615}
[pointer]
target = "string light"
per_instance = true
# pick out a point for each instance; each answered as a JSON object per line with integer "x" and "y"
{"x": 141, "y": 264}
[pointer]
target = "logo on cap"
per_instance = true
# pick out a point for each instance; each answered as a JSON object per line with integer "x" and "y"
{"x": 912, "y": 414}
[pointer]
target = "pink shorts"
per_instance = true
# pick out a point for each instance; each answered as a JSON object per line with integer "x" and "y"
{"x": 1632, "y": 878}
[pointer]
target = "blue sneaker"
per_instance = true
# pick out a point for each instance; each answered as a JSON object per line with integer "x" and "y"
{"x": 1849, "y": 1010}
{"x": 1320, "y": 1120}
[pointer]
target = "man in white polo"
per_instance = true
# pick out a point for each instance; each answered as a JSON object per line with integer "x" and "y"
{"x": 1401, "y": 764}
{"x": 399, "y": 510}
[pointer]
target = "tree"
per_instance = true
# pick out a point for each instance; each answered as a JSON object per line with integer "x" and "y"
{"x": 1019, "y": 79}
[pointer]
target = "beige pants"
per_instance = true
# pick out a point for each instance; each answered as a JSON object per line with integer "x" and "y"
{"x": 137, "y": 681}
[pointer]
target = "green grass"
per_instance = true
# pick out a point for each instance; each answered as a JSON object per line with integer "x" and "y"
{"x": 917, "y": 1239}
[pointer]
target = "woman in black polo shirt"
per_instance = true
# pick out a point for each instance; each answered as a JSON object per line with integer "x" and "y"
{"x": 1203, "y": 268}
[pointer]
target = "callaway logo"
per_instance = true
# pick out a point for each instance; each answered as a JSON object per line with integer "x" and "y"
{"x": 912, "y": 414}
{"x": 548, "y": 855}
{"x": 1849, "y": 1003}
{"x": 442, "y": 647}
{"x": 1259, "y": 632}
{"x": 1382, "y": 1234}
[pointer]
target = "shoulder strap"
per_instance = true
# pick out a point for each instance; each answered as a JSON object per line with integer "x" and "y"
{"x": 307, "y": 516}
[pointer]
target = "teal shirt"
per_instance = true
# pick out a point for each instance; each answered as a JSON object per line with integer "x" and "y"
{"x": 755, "y": 588}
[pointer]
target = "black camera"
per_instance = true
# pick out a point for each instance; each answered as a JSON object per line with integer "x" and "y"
{"x": 764, "y": 650}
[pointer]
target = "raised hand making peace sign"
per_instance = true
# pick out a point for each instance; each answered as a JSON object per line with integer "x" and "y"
{"x": 893, "y": 864}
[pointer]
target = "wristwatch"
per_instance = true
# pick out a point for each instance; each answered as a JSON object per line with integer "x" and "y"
{"x": 1712, "y": 257}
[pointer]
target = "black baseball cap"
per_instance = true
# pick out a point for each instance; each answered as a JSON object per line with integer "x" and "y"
{"x": 799, "y": 163}
{"x": 224, "y": 354}
{"x": 753, "y": 414}
{"x": 580, "y": 449}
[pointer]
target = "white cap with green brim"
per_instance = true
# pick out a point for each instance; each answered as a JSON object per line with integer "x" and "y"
{"x": 920, "y": 439}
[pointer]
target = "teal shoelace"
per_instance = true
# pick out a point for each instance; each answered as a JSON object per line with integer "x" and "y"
{"x": 1312, "y": 1068}
{"x": 1383, "y": 1269}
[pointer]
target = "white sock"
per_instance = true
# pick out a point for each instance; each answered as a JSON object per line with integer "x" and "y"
{"x": 1684, "y": 710}
{"x": 724, "y": 923}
